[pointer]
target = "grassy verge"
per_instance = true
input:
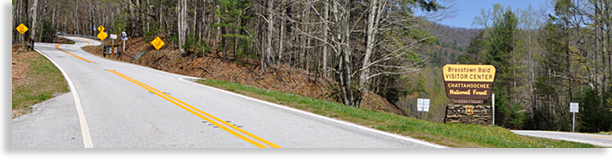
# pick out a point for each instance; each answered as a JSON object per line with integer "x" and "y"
{"x": 37, "y": 81}
{"x": 452, "y": 135}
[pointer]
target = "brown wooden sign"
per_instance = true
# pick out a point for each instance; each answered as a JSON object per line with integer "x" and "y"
{"x": 468, "y": 90}
{"x": 468, "y": 82}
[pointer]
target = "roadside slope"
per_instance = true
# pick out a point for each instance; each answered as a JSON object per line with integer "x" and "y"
{"x": 243, "y": 71}
{"x": 34, "y": 80}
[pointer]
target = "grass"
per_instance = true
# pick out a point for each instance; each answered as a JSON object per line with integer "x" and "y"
{"x": 452, "y": 134}
{"x": 42, "y": 81}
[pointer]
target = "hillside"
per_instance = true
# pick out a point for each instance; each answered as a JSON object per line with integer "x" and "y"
{"x": 452, "y": 42}
{"x": 243, "y": 71}
{"x": 428, "y": 82}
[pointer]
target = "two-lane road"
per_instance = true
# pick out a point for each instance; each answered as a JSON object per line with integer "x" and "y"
{"x": 594, "y": 139}
{"x": 116, "y": 105}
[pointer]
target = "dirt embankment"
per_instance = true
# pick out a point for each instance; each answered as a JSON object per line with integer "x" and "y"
{"x": 242, "y": 70}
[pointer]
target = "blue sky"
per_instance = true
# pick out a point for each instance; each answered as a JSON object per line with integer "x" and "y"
{"x": 468, "y": 9}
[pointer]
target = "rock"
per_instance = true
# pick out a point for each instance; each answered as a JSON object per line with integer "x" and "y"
{"x": 455, "y": 113}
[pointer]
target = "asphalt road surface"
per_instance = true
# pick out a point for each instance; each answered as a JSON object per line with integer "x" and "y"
{"x": 594, "y": 139}
{"x": 120, "y": 105}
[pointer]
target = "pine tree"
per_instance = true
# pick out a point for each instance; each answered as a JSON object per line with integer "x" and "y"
{"x": 593, "y": 117}
{"x": 500, "y": 47}
{"x": 232, "y": 16}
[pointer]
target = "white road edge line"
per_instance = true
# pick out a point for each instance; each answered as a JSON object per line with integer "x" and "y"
{"x": 587, "y": 142}
{"x": 322, "y": 117}
{"x": 84, "y": 127}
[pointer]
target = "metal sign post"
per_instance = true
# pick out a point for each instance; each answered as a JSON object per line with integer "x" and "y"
{"x": 493, "y": 113}
{"x": 422, "y": 106}
{"x": 123, "y": 37}
{"x": 157, "y": 43}
{"x": 113, "y": 37}
{"x": 102, "y": 35}
{"x": 22, "y": 29}
{"x": 574, "y": 110}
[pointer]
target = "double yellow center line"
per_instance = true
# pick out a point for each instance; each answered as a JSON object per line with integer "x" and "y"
{"x": 257, "y": 141}
{"x": 88, "y": 61}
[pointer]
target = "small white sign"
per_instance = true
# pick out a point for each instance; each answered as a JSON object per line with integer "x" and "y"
{"x": 574, "y": 107}
{"x": 113, "y": 36}
{"x": 423, "y": 105}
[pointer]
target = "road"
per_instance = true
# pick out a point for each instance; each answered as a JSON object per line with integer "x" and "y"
{"x": 114, "y": 104}
{"x": 594, "y": 139}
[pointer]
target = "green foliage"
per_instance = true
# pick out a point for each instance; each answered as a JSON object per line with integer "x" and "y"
{"x": 152, "y": 33}
{"x": 45, "y": 80}
{"x": 452, "y": 135}
{"x": 500, "y": 43}
{"x": 499, "y": 46}
{"x": 474, "y": 50}
{"x": 233, "y": 21}
{"x": 193, "y": 45}
{"x": 593, "y": 116}
{"x": 48, "y": 32}
{"x": 609, "y": 100}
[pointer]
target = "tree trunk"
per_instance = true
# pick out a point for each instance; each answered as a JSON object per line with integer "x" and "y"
{"x": 33, "y": 27}
{"x": 270, "y": 35}
{"x": 325, "y": 25}
{"x": 370, "y": 40}
{"x": 182, "y": 25}
{"x": 282, "y": 36}
{"x": 34, "y": 19}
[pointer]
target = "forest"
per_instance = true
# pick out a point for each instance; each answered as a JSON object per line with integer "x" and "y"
{"x": 545, "y": 61}
{"x": 393, "y": 48}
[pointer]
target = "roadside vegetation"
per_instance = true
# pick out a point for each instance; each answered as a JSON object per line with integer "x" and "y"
{"x": 452, "y": 134}
{"x": 34, "y": 80}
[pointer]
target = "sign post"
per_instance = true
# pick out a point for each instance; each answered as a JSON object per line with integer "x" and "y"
{"x": 22, "y": 29}
{"x": 123, "y": 37}
{"x": 493, "y": 113}
{"x": 468, "y": 85}
{"x": 422, "y": 106}
{"x": 102, "y": 35}
{"x": 157, "y": 43}
{"x": 113, "y": 37}
{"x": 574, "y": 110}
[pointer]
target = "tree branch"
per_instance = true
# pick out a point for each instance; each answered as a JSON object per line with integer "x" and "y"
{"x": 141, "y": 11}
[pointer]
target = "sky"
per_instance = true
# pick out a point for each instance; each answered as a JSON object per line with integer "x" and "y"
{"x": 468, "y": 9}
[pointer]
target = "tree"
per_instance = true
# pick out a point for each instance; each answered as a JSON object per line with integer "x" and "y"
{"x": 363, "y": 46}
{"x": 500, "y": 52}
{"x": 399, "y": 21}
{"x": 182, "y": 24}
{"x": 231, "y": 14}
{"x": 395, "y": 21}
{"x": 593, "y": 116}
{"x": 546, "y": 62}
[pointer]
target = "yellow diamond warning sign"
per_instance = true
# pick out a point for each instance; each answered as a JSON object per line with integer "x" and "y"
{"x": 22, "y": 28}
{"x": 100, "y": 28}
{"x": 102, "y": 36}
{"x": 157, "y": 43}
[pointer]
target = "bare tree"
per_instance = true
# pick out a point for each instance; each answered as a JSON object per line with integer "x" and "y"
{"x": 346, "y": 31}
{"x": 182, "y": 24}
{"x": 33, "y": 11}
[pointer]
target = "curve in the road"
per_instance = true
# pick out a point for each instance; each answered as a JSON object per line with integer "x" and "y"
{"x": 87, "y": 143}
